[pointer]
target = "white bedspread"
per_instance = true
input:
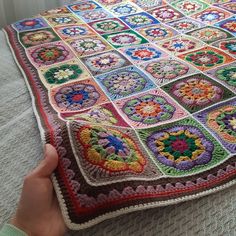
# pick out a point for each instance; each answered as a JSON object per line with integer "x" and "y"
{"x": 21, "y": 149}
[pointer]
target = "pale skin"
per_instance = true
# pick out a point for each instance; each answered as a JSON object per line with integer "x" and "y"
{"x": 38, "y": 212}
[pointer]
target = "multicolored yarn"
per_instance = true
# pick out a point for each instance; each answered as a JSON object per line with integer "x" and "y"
{"x": 138, "y": 97}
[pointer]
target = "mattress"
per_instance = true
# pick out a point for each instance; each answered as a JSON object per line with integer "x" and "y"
{"x": 155, "y": 213}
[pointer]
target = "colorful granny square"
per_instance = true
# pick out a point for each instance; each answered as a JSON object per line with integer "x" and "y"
{"x": 183, "y": 147}
{"x": 124, "y": 38}
{"x": 104, "y": 151}
{"x": 166, "y": 14}
{"x": 157, "y": 32}
{"x": 189, "y": 7}
{"x": 150, "y": 109}
{"x": 139, "y": 20}
{"x": 185, "y": 24}
{"x": 108, "y": 26}
{"x": 63, "y": 73}
{"x": 197, "y": 92}
{"x": 94, "y": 15}
{"x": 105, "y": 62}
{"x": 227, "y": 45}
{"x": 124, "y": 82}
{"x": 49, "y": 53}
{"x": 221, "y": 120}
{"x": 30, "y": 24}
{"x": 147, "y": 4}
{"x": 228, "y": 24}
{"x": 209, "y": 34}
{"x": 85, "y": 46}
{"x": 76, "y": 96}
{"x": 84, "y": 6}
{"x": 124, "y": 8}
{"x": 229, "y": 6}
{"x": 211, "y": 15}
{"x": 142, "y": 53}
{"x": 109, "y": 2}
{"x": 180, "y": 44}
{"x": 165, "y": 70}
{"x": 207, "y": 58}
{"x": 59, "y": 10}
{"x": 226, "y": 74}
{"x": 74, "y": 31}
{"x": 63, "y": 19}
{"x": 103, "y": 114}
{"x": 36, "y": 37}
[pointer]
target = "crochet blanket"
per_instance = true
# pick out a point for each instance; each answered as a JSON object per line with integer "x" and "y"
{"x": 138, "y": 98}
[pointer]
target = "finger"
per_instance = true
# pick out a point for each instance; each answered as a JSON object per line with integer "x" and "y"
{"x": 48, "y": 164}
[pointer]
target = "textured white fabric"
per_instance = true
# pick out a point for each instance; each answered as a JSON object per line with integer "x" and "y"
{"x": 21, "y": 149}
{"x": 12, "y": 10}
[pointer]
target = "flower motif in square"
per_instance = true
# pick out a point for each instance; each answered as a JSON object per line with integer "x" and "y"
{"x": 149, "y": 109}
{"x": 30, "y": 24}
{"x": 109, "y": 2}
{"x": 157, "y": 32}
{"x": 63, "y": 73}
{"x": 185, "y": 24}
{"x": 59, "y": 20}
{"x": 211, "y": 15}
{"x": 108, "y": 26}
{"x": 84, "y": 6}
{"x": 50, "y": 53}
{"x": 189, "y": 7}
{"x": 124, "y": 9}
{"x": 105, "y": 62}
{"x": 221, "y": 120}
{"x": 124, "y": 82}
{"x": 197, "y": 91}
{"x": 229, "y": 6}
{"x": 108, "y": 154}
{"x": 103, "y": 114}
{"x": 147, "y": 4}
{"x": 227, "y": 45}
{"x": 94, "y": 15}
{"x": 139, "y": 20}
{"x": 36, "y": 37}
{"x": 183, "y": 147}
{"x": 207, "y": 58}
{"x": 141, "y": 53}
{"x": 89, "y": 45}
{"x": 228, "y": 24}
{"x": 225, "y": 74}
{"x": 74, "y": 31}
{"x": 166, "y": 14}
{"x": 59, "y": 10}
{"x": 180, "y": 44}
{"x": 125, "y": 38}
{"x": 166, "y": 69}
{"x": 76, "y": 96}
{"x": 209, "y": 34}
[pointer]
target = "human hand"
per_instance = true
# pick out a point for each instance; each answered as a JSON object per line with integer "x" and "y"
{"x": 38, "y": 212}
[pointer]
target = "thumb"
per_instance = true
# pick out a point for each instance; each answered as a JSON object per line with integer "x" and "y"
{"x": 48, "y": 164}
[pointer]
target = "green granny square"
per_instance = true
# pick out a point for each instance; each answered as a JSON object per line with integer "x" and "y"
{"x": 182, "y": 148}
{"x": 196, "y": 92}
{"x": 38, "y": 37}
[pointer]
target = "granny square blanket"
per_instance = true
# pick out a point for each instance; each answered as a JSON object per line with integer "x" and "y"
{"x": 138, "y": 97}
